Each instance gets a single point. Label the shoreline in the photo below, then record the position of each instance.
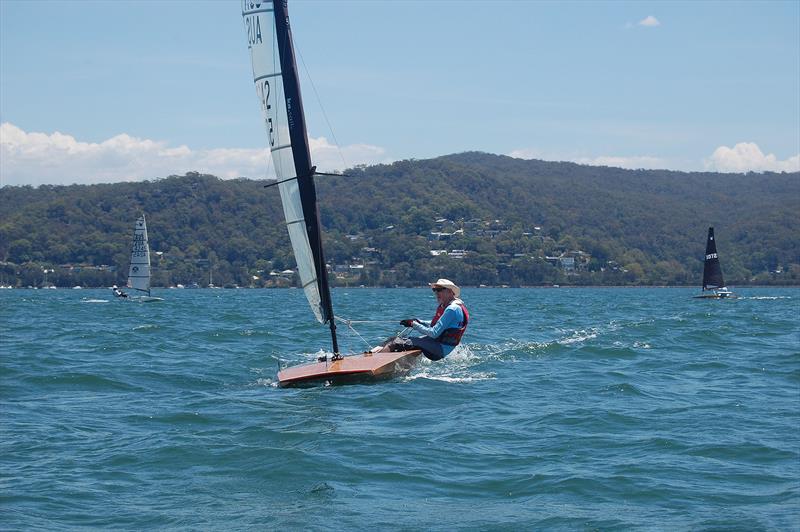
(536, 287)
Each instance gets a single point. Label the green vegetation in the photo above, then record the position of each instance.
(473, 217)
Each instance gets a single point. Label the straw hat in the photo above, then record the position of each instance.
(446, 283)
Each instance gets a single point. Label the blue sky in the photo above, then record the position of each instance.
(97, 91)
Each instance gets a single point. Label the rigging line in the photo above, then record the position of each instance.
(324, 114)
(348, 322)
(365, 321)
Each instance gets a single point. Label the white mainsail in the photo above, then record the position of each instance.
(276, 105)
(139, 272)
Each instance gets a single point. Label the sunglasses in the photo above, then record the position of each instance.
(438, 289)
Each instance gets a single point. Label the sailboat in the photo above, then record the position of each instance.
(713, 281)
(269, 40)
(211, 278)
(139, 271)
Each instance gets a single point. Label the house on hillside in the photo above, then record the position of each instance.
(570, 261)
(439, 235)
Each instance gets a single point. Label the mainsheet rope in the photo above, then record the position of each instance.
(350, 326)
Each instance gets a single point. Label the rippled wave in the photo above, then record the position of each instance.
(565, 409)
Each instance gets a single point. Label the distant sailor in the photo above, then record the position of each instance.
(443, 333)
(118, 292)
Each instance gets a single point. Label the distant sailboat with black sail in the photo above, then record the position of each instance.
(269, 40)
(713, 282)
(139, 271)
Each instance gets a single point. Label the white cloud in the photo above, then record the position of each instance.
(633, 162)
(747, 157)
(526, 153)
(40, 158)
(650, 21)
(744, 157)
(327, 156)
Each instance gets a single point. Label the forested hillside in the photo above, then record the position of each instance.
(474, 217)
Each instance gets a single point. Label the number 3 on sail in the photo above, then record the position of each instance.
(269, 39)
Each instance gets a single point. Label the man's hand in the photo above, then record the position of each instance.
(408, 323)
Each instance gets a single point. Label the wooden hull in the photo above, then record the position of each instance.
(363, 368)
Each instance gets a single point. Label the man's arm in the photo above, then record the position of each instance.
(449, 319)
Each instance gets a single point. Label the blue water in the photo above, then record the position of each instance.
(566, 409)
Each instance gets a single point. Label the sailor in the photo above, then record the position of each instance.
(443, 333)
(118, 292)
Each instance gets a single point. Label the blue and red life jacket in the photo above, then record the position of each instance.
(453, 335)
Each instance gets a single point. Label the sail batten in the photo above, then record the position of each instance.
(139, 271)
(712, 270)
(253, 11)
(278, 90)
(267, 76)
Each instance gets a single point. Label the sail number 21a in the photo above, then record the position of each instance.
(252, 24)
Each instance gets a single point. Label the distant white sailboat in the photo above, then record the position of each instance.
(139, 272)
(211, 279)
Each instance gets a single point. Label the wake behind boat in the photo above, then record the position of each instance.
(712, 273)
(269, 40)
(139, 271)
